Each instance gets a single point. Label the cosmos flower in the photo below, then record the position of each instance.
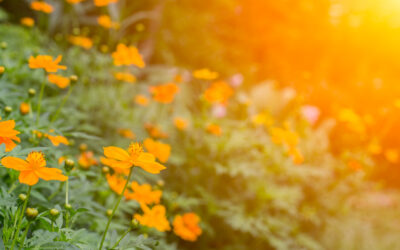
(186, 226)
(46, 62)
(8, 134)
(33, 168)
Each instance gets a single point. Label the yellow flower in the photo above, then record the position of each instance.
(42, 6)
(8, 134)
(46, 62)
(119, 158)
(101, 3)
(186, 226)
(153, 217)
(24, 108)
(27, 21)
(116, 183)
(214, 129)
(86, 159)
(33, 168)
(126, 77)
(125, 55)
(160, 150)
(218, 93)
(60, 81)
(180, 123)
(164, 93)
(143, 194)
(57, 140)
(84, 42)
(141, 100)
(106, 22)
(205, 74)
(127, 133)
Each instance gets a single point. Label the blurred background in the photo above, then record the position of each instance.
(340, 58)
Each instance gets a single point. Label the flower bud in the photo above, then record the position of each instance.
(7, 109)
(2, 69)
(83, 147)
(69, 164)
(160, 183)
(22, 197)
(109, 212)
(3, 45)
(31, 92)
(104, 48)
(54, 212)
(134, 223)
(24, 108)
(105, 170)
(31, 213)
(73, 78)
(68, 206)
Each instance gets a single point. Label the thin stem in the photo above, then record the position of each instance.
(52, 225)
(66, 203)
(25, 233)
(15, 221)
(13, 186)
(40, 102)
(61, 105)
(21, 217)
(115, 208)
(123, 236)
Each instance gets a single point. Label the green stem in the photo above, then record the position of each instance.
(115, 208)
(61, 105)
(40, 102)
(66, 203)
(25, 233)
(15, 221)
(52, 225)
(123, 235)
(21, 217)
(13, 186)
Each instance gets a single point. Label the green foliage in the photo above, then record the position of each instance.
(246, 188)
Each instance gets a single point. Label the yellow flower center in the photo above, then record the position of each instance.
(135, 149)
(36, 160)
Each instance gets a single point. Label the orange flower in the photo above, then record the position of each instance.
(143, 194)
(8, 134)
(214, 129)
(354, 165)
(127, 133)
(27, 21)
(154, 131)
(105, 21)
(84, 42)
(134, 156)
(141, 100)
(116, 183)
(186, 226)
(61, 160)
(60, 81)
(218, 93)
(125, 55)
(46, 62)
(178, 78)
(180, 123)
(101, 3)
(2, 69)
(33, 168)
(56, 140)
(42, 6)
(126, 77)
(154, 217)
(24, 108)
(86, 159)
(74, 1)
(297, 156)
(160, 150)
(205, 74)
(164, 93)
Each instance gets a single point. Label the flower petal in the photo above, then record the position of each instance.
(115, 164)
(15, 163)
(116, 153)
(49, 174)
(28, 177)
(147, 162)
